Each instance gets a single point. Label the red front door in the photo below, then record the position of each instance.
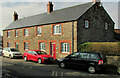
(53, 50)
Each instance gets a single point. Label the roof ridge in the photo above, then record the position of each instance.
(55, 10)
(72, 6)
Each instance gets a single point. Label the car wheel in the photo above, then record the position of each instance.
(62, 65)
(91, 69)
(25, 58)
(39, 61)
(10, 56)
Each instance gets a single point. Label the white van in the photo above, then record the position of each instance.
(11, 52)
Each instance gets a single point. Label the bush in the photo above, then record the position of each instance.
(107, 48)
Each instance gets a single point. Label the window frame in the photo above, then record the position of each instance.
(106, 27)
(43, 47)
(7, 43)
(18, 44)
(8, 34)
(25, 32)
(25, 46)
(63, 52)
(57, 29)
(37, 31)
(17, 33)
(88, 23)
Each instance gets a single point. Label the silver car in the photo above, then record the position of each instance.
(11, 52)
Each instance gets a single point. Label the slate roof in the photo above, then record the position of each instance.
(56, 16)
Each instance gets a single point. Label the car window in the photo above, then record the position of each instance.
(93, 56)
(74, 55)
(33, 52)
(28, 52)
(84, 55)
(14, 50)
(41, 53)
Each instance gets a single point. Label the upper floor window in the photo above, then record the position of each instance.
(16, 45)
(65, 47)
(8, 33)
(57, 29)
(16, 33)
(26, 45)
(8, 44)
(42, 46)
(38, 31)
(86, 24)
(106, 25)
(26, 32)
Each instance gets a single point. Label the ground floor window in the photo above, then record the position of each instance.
(26, 45)
(65, 47)
(42, 46)
(16, 45)
(8, 44)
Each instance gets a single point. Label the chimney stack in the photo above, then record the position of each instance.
(49, 7)
(15, 16)
(94, 1)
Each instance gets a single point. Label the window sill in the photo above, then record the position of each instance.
(65, 52)
(39, 35)
(26, 36)
(58, 34)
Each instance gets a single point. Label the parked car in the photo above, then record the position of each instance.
(37, 55)
(90, 60)
(0, 52)
(11, 52)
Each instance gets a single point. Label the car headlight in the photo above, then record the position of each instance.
(44, 58)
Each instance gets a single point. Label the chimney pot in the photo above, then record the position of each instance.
(49, 7)
(15, 16)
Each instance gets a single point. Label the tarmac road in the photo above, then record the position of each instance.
(16, 68)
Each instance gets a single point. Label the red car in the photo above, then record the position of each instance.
(37, 55)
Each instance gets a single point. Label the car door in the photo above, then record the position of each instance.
(28, 55)
(7, 52)
(33, 56)
(83, 62)
(73, 59)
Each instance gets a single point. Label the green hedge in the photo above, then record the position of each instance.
(107, 48)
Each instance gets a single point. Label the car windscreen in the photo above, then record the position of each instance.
(41, 53)
(14, 50)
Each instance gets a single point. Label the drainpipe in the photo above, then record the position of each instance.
(72, 36)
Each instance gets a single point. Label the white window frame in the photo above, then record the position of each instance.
(8, 44)
(26, 32)
(42, 46)
(57, 29)
(39, 32)
(106, 25)
(65, 48)
(16, 45)
(16, 33)
(86, 24)
(26, 45)
(8, 33)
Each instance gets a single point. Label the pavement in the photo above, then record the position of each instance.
(18, 68)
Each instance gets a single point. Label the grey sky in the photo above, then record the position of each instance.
(26, 8)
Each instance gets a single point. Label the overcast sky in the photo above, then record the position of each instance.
(26, 8)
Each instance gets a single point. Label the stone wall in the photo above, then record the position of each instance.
(96, 32)
(47, 37)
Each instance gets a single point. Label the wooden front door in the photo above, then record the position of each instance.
(53, 49)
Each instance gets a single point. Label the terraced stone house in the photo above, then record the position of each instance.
(59, 32)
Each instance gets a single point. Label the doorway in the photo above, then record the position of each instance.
(53, 49)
